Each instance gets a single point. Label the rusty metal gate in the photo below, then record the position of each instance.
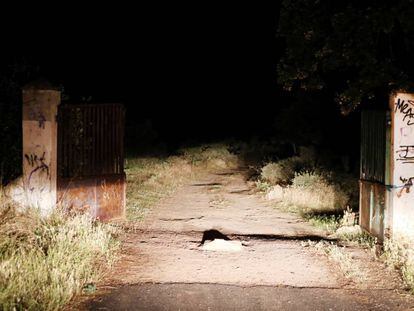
(90, 159)
(373, 173)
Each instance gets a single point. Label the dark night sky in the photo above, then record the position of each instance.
(195, 71)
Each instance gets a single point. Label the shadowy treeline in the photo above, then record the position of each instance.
(299, 120)
(268, 132)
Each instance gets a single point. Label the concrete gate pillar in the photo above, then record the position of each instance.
(40, 104)
(402, 194)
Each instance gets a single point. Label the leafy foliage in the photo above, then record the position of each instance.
(359, 49)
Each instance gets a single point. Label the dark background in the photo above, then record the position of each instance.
(195, 72)
(185, 73)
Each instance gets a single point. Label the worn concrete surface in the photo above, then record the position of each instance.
(164, 266)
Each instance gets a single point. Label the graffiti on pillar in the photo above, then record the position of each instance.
(407, 184)
(405, 107)
(38, 166)
(404, 146)
(405, 154)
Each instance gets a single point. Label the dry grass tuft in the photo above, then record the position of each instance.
(281, 172)
(400, 256)
(214, 156)
(339, 255)
(309, 194)
(45, 261)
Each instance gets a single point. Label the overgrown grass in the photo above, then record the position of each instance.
(401, 257)
(45, 261)
(329, 223)
(313, 193)
(304, 185)
(150, 179)
(281, 172)
(341, 258)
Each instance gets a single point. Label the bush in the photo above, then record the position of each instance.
(281, 172)
(308, 180)
(212, 156)
(45, 261)
(311, 192)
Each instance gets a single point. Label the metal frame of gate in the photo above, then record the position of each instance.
(90, 159)
(375, 172)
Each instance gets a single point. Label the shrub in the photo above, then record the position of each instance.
(311, 192)
(308, 180)
(281, 172)
(45, 261)
(212, 156)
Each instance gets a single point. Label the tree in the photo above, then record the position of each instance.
(360, 50)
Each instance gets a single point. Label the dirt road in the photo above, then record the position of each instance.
(258, 260)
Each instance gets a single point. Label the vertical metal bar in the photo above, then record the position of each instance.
(105, 140)
(59, 144)
(117, 166)
(111, 140)
(83, 141)
(88, 139)
(122, 138)
(113, 145)
(69, 136)
(67, 141)
(101, 136)
(94, 140)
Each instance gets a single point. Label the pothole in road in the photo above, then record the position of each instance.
(214, 240)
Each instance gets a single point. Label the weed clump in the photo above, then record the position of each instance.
(401, 257)
(308, 186)
(214, 156)
(281, 172)
(340, 257)
(45, 261)
(312, 193)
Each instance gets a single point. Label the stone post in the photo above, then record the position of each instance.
(40, 104)
(402, 203)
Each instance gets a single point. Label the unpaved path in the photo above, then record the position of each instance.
(164, 265)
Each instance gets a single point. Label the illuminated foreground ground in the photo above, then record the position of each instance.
(164, 265)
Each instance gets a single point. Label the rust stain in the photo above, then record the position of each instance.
(372, 208)
(103, 197)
